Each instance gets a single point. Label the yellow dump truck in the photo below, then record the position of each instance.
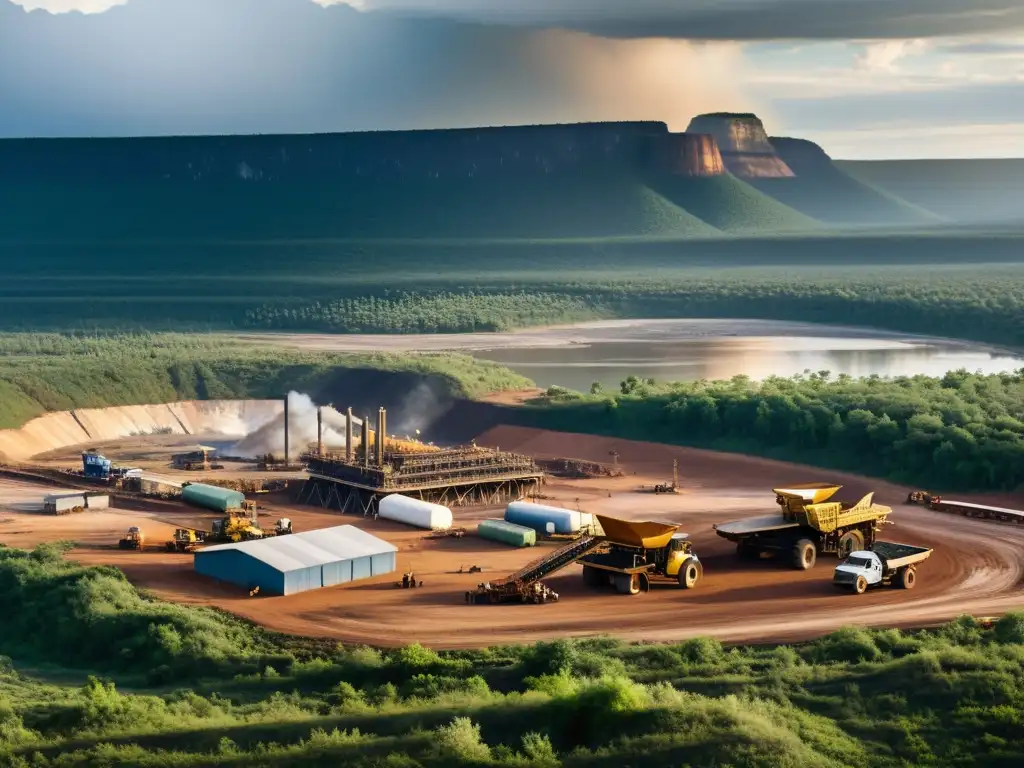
(627, 555)
(809, 524)
(185, 540)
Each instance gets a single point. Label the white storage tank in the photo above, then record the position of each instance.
(548, 520)
(421, 514)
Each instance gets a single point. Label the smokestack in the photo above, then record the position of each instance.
(379, 440)
(366, 440)
(319, 431)
(286, 430)
(348, 434)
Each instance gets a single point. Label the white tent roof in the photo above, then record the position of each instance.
(310, 548)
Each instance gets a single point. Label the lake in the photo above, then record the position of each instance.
(683, 350)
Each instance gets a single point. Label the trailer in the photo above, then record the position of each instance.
(628, 556)
(966, 508)
(885, 564)
(809, 524)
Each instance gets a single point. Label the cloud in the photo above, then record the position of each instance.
(264, 66)
(730, 19)
(883, 56)
(69, 6)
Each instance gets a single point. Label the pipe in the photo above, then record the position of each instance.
(286, 431)
(366, 440)
(319, 431)
(379, 440)
(348, 434)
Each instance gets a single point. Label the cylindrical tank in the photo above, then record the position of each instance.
(545, 519)
(212, 497)
(421, 514)
(507, 533)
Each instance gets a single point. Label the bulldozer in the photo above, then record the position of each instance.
(185, 540)
(235, 528)
(133, 539)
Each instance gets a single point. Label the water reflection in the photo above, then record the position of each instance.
(611, 360)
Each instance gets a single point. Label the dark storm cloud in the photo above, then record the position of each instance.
(244, 66)
(736, 19)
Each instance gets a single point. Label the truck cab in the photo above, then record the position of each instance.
(678, 551)
(864, 565)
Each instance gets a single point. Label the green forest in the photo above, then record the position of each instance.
(960, 432)
(195, 687)
(55, 372)
(987, 305)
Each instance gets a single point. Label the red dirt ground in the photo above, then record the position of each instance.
(977, 566)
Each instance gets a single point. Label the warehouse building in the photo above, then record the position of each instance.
(300, 562)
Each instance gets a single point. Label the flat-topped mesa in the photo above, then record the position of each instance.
(743, 143)
(801, 155)
(418, 155)
(684, 154)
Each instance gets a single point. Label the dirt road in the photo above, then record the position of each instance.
(977, 567)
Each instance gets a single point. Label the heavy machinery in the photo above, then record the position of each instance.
(185, 540)
(628, 555)
(808, 525)
(234, 528)
(885, 564)
(966, 508)
(283, 527)
(133, 539)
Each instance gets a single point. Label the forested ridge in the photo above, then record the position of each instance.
(963, 431)
(195, 687)
(987, 306)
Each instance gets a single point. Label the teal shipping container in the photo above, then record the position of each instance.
(212, 497)
(507, 533)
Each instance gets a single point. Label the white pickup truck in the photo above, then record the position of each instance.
(885, 564)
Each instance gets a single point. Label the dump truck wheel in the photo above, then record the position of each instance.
(627, 584)
(805, 554)
(690, 574)
(645, 582)
(907, 578)
(861, 585)
(593, 577)
(851, 541)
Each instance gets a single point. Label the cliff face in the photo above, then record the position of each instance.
(744, 144)
(362, 157)
(684, 154)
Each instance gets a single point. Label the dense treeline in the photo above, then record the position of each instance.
(857, 697)
(986, 306)
(346, 286)
(54, 372)
(443, 312)
(962, 431)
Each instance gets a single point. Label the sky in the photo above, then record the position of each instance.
(866, 79)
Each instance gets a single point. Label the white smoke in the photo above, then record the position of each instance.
(420, 408)
(269, 436)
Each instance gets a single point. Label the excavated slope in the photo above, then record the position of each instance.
(234, 418)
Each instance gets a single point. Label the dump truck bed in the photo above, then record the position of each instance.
(897, 556)
(750, 525)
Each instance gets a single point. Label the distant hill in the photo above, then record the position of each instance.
(732, 205)
(823, 191)
(591, 180)
(744, 144)
(965, 191)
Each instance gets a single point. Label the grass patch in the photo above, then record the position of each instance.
(856, 697)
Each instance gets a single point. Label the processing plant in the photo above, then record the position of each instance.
(375, 466)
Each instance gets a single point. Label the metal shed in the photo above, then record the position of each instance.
(300, 562)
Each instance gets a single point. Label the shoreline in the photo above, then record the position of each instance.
(603, 332)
